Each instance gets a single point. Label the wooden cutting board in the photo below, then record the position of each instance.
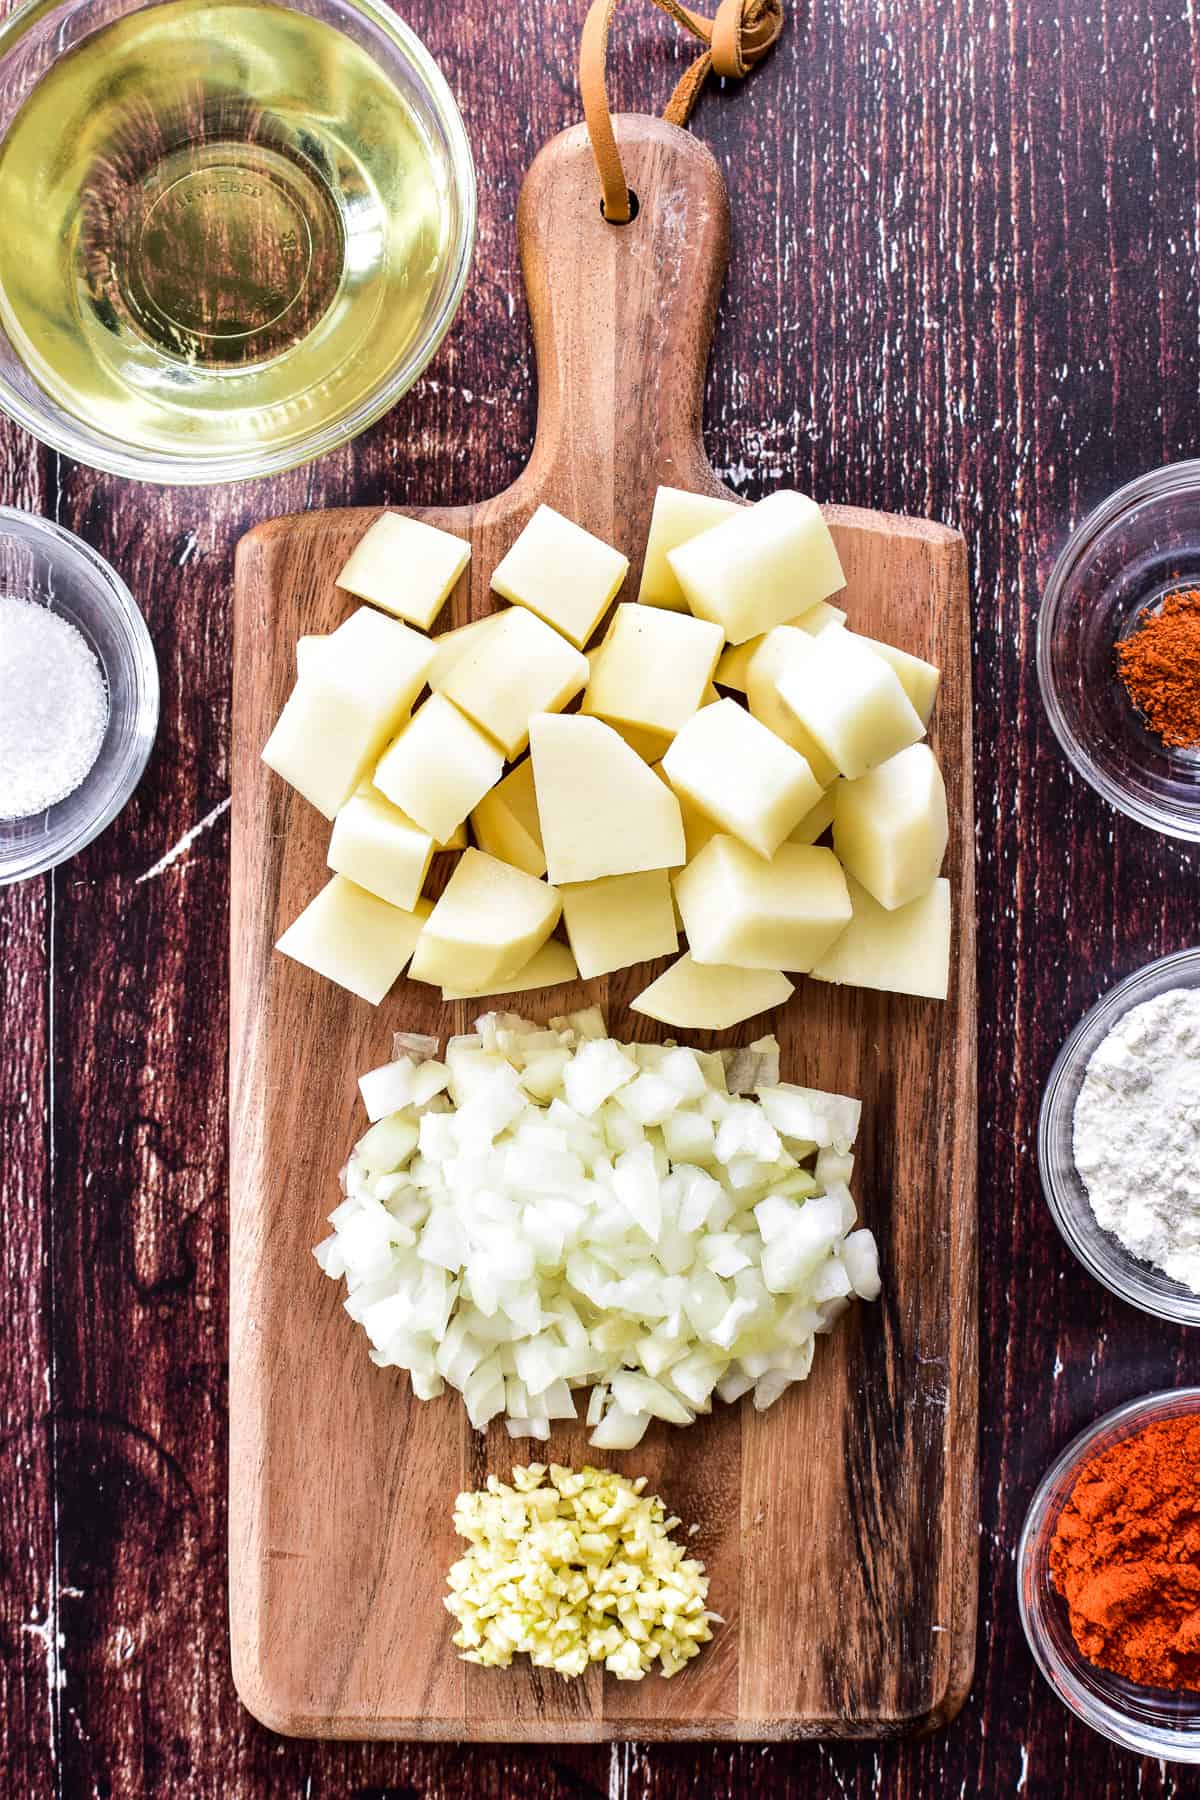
(840, 1527)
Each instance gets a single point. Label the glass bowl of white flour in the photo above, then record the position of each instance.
(1119, 1139)
(78, 695)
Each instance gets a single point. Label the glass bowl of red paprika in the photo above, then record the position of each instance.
(1110, 1525)
(1118, 575)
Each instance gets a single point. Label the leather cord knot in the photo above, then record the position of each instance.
(735, 41)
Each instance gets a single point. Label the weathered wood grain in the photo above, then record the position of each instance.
(965, 283)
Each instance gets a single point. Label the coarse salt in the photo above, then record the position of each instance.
(53, 708)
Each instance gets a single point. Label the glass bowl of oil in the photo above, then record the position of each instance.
(1114, 573)
(234, 232)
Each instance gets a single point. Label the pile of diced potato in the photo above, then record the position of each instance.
(661, 804)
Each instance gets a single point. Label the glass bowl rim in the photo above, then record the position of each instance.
(164, 469)
(1110, 1721)
(108, 585)
(1108, 1008)
(1171, 478)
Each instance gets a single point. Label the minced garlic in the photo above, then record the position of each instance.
(581, 1570)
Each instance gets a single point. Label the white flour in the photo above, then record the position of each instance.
(1137, 1133)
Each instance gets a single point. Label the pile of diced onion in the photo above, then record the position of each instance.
(546, 1209)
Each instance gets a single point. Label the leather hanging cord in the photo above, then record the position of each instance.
(734, 41)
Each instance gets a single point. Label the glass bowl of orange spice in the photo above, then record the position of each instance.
(1108, 1576)
(1118, 650)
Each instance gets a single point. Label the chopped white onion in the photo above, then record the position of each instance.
(546, 1209)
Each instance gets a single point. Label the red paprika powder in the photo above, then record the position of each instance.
(1159, 664)
(1126, 1556)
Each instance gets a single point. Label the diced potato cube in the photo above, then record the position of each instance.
(458, 839)
(677, 516)
(819, 617)
(710, 997)
(603, 811)
(851, 701)
(815, 822)
(352, 938)
(783, 914)
(890, 827)
(741, 775)
(698, 828)
(620, 920)
(506, 822)
(356, 689)
(486, 926)
(653, 669)
(919, 679)
(733, 670)
(518, 668)
(762, 566)
(308, 651)
(439, 768)
(374, 845)
(450, 646)
(906, 951)
(406, 566)
(548, 967)
(562, 573)
(785, 647)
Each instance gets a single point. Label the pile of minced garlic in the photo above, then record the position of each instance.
(580, 1569)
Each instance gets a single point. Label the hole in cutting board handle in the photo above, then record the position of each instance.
(634, 209)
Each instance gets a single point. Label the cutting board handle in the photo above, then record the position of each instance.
(622, 319)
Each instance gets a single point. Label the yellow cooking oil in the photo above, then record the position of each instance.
(220, 226)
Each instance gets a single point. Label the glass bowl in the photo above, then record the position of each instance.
(1102, 1254)
(1142, 542)
(40, 561)
(1153, 1721)
(253, 258)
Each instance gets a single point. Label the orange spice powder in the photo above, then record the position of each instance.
(1126, 1556)
(1159, 665)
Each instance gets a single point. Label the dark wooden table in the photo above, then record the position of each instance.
(964, 283)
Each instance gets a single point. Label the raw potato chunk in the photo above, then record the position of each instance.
(711, 997)
(406, 566)
(518, 668)
(902, 952)
(603, 811)
(698, 828)
(786, 647)
(739, 773)
(352, 938)
(653, 669)
(619, 920)
(851, 701)
(890, 827)
(374, 845)
(918, 679)
(439, 768)
(765, 565)
(783, 914)
(677, 516)
(308, 651)
(486, 926)
(818, 820)
(450, 646)
(548, 967)
(562, 573)
(458, 839)
(734, 666)
(357, 687)
(506, 822)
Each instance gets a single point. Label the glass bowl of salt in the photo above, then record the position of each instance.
(78, 695)
(1119, 1147)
